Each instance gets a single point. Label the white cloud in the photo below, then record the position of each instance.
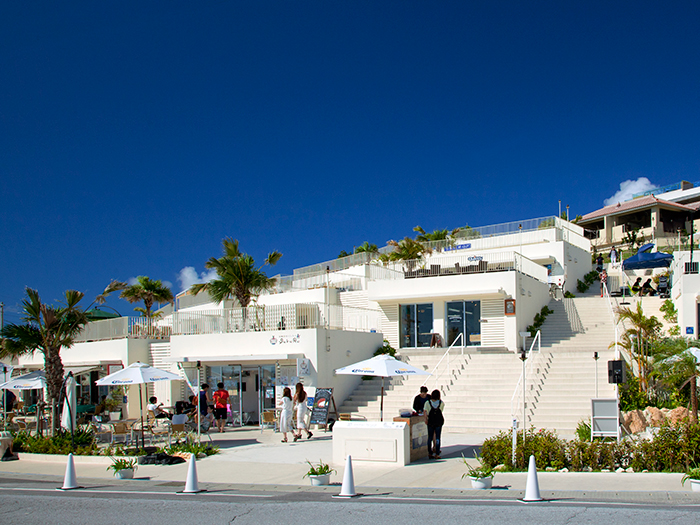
(189, 276)
(629, 188)
(131, 281)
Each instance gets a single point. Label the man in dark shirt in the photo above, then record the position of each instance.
(420, 399)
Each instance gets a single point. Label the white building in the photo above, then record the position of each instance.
(477, 293)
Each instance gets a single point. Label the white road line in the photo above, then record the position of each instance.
(92, 491)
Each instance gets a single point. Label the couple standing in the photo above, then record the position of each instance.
(286, 417)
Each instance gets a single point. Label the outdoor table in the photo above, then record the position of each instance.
(85, 409)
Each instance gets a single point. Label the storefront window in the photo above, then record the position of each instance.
(463, 317)
(415, 325)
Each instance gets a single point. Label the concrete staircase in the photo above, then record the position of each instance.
(479, 385)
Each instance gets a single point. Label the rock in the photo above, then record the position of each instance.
(635, 421)
(654, 416)
(619, 470)
(630, 470)
(586, 469)
(549, 469)
(564, 469)
(605, 470)
(645, 470)
(678, 414)
(500, 467)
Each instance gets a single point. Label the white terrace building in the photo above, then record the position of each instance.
(476, 294)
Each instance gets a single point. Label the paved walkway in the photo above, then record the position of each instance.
(253, 458)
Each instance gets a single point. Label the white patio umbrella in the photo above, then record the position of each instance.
(137, 374)
(69, 405)
(6, 371)
(382, 366)
(32, 381)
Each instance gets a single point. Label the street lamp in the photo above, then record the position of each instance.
(596, 357)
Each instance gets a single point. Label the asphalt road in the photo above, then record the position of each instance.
(109, 505)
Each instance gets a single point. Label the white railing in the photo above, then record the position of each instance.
(619, 349)
(123, 327)
(517, 398)
(265, 318)
(459, 337)
(531, 268)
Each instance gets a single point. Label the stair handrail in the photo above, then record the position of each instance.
(528, 368)
(446, 354)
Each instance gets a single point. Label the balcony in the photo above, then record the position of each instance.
(124, 327)
(267, 318)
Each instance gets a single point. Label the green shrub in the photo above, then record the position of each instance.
(673, 449)
(539, 320)
(386, 348)
(83, 443)
(192, 447)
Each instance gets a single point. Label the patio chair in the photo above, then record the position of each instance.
(120, 432)
(269, 418)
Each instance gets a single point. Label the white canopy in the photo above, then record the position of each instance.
(33, 381)
(382, 365)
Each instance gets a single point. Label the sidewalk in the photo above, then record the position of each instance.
(249, 457)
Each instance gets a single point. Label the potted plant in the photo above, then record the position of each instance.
(319, 474)
(481, 476)
(113, 402)
(692, 474)
(123, 468)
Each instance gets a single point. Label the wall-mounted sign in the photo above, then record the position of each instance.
(114, 368)
(285, 339)
(458, 247)
(689, 330)
(303, 367)
(509, 306)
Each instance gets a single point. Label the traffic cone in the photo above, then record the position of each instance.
(348, 488)
(192, 485)
(532, 490)
(70, 482)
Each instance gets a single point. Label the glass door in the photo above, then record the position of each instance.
(266, 392)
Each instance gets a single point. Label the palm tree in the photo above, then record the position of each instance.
(46, 329)
(366, 247)
(639, 338)
(437, 235)
(238, 278)
(145, 289)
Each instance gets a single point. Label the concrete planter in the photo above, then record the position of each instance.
(695, 485)
(320, 480)
(481, 483)
(127, 473)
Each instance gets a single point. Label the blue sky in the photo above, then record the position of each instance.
(136, 135)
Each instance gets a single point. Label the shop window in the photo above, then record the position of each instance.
(415, 325)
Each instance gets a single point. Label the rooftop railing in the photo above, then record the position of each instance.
(124, 327)
(266, 318)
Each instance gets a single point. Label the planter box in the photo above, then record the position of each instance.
(481, 483)
(320, 480)
(695, 485)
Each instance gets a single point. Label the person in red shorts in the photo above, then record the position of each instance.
(220, 406)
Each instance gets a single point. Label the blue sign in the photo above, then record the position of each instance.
(689, 330)
(458, 247)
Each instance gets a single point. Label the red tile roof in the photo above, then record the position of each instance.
(648, 201)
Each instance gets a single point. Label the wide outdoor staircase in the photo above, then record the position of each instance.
(481, 388)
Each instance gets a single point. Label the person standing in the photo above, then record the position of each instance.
(613, 255)
(599, 263)
(302, 409)
(205, 400)
(220, 406)
(286, 415)
(420, 399)
(435, 420)
(603, 281)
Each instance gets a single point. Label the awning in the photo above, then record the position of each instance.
(77, 370)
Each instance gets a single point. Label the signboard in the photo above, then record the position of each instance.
(322, 401)
(606, 418)
(510, 306)
(303, 367)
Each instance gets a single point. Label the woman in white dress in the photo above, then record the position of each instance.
(300, 401)
(286, 415)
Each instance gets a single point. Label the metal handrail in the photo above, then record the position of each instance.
(446, 354)
(528, 368)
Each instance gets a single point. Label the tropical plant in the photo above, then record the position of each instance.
(238, 278)
(343, 253)
(639, 338)
(466, 232)
(678, 368)
(47, 329)
(386, 348)
(318, 470)
(193, 447)
(633, 238)
(691, 474)
(437, 235)
(366, 247)
(549, 223)
(119, 464)
(668, 309)
(145, 289)
(480, 472)
(405, 250)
